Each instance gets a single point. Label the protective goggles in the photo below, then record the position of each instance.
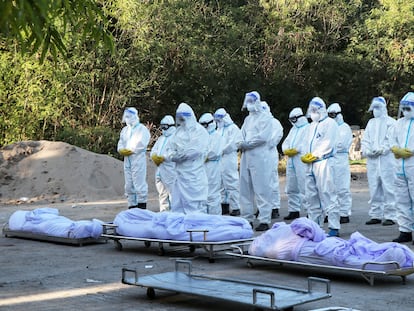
(295, 118)
(406, 108)
(333, 114)
(218, 116)
(166, 126)
(206, 124)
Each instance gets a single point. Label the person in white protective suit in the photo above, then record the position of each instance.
(256, 159)
(212, 164)
(294, 147)
(376, 147)
(403, 149)
(165, 174)
(230, 180)
(132, 145)
(277, 134)
(320, 184)
(342, 169)
(188, 150)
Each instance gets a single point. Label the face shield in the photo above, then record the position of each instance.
(316, 109)
(130, 116)
(219, 117)
(378, 106)
(182, 117)
(252, 102)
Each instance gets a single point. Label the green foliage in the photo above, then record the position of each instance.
(205, 53)
(42, 24)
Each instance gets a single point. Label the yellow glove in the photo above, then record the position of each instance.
(308, 158)
(406, 153)
(401, 152)
(157, 159)
(125, 152)
(291, 152)
(396, 151)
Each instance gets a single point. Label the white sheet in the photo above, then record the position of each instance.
(141, 223)
(47, 221)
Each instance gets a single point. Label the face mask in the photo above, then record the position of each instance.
(315, 116)
(408, 112)
(377, 112)
(251, 107)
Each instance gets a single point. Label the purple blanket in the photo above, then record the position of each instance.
(304, 241)
(141, 223)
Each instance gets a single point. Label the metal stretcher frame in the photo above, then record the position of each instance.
(8, 233)
(367, 272)
(109, 232)
(260, 295)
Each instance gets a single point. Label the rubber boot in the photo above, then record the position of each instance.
(275, 213)
(404, 237)
(133, 206)
(225, 208)
(142, 205)
(292, 215)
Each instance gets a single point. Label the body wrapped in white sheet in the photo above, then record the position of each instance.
(47, 221)
(304, 241)
(141, 223)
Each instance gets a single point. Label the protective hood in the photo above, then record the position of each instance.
(252, 102)
(334, 112)
(185, 115)
(407, 105)
(130, 116)
(378, 107)
(167, 125)
(297, 118)
(266, 108)
(207, 121)
(317, 109)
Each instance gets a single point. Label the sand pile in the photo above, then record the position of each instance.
(50, 172)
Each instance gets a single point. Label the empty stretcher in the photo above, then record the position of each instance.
(369, 270)
(7, 232)
(259, 295)
(109, 232)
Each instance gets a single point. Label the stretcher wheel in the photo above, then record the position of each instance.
(211, 260)
(249, 264)
(150, 293)
(161, 251)
(192, 248)
(147, 244)
(118, 245)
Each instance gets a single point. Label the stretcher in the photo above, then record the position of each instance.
(8, 233)
(258, 295)
(109, 232)
(368, 271)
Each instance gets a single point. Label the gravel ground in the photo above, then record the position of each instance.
(47, 276)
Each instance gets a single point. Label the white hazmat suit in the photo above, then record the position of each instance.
(294, 147)
(189, 147)
(320, 184)
(403, 149)
(212, 164)
(230, 179)
(132, 144)
(165, 174)
(342, 169)
(376, 146)
(277, 134)
(256, 159)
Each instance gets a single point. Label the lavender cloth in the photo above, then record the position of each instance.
(47, 221)
(141, 223)
(304, 241)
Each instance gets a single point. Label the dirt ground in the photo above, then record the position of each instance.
(47, 276)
